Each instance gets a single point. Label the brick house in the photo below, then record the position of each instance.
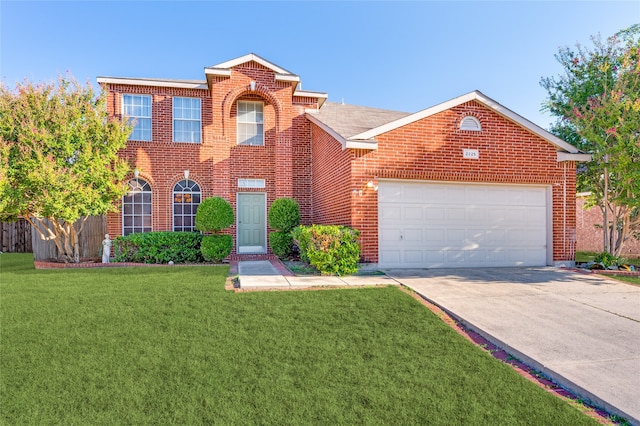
(464, 183)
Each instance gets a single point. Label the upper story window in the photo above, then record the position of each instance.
(470, 123)
(186, 199)
(136, 207)
(186, 120)
(250, 123)
(137, 108)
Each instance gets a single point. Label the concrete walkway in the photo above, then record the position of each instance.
(581, 330)
(265, 274)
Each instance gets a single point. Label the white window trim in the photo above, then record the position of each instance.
(238, 122)
(150, 117)
(173, 119)
(150, 192)
(251, 183)
(173, 203)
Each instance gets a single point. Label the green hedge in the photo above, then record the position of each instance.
(216, 247)
(159, 247)
(283, 216)
(331, 249)
(281, 243)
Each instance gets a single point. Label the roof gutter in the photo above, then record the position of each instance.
(577, 157)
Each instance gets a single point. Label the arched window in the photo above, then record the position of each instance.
(136, 207)
(470, 123)
(186, 199)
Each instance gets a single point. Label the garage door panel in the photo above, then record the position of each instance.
(413, 237)
(390, 212)
(434, 213)
(455, 236)
(534, 216)
(455, 257)
(433, 236)
(496, 256)
(457, 225)
(455, 214)
(413, 256)
(476, 214)
(433, 194)
(389, 236)
(412, 213)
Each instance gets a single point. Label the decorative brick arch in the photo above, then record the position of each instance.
(261, 90)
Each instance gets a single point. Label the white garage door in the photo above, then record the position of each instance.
(443, 225)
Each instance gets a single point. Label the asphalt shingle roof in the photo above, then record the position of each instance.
(349, 120)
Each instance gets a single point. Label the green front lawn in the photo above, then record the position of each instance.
(632, 280)
(168, 345)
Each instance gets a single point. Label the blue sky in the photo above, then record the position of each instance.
(404, 56)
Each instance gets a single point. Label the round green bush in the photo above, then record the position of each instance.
(331, 249)
(284, 214)
(213, 215)
(216, 247)
(281, 243)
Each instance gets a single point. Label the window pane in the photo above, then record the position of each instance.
(137, 108)
(136, 207)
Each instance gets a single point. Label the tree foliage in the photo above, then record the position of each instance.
(58, 159)
(597, 102)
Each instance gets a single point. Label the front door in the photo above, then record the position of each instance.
(251, 222)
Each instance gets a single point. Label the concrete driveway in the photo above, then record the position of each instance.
(581, 330)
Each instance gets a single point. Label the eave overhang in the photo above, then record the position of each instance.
(577, 157)
(320, 96)
(130, 81)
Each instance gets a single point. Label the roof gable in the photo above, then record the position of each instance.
(223, 69)
(248, 58)
(472, 96)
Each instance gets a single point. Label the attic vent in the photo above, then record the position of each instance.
(470, 123)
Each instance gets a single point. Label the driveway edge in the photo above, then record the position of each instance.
(555, 377)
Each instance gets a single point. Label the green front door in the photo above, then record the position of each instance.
(251, 223)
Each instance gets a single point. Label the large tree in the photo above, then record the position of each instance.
(58, 159)
(597, 102)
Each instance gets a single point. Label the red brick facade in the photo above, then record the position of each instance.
(218, 161)
(429, 150)
(303, 160)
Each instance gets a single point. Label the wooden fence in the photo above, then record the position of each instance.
(15, 237)
(19, 237)
(90, 241)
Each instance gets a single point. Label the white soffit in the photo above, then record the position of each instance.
(182, 84)
(472, 96)
(306, 94)
(566, 156)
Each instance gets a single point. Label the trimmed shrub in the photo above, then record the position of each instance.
(213, 215)
(284, 214)
(159, 247)
(281, 243)
(331, 249)
(216, 247)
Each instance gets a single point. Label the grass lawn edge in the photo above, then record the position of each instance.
(538, 378)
